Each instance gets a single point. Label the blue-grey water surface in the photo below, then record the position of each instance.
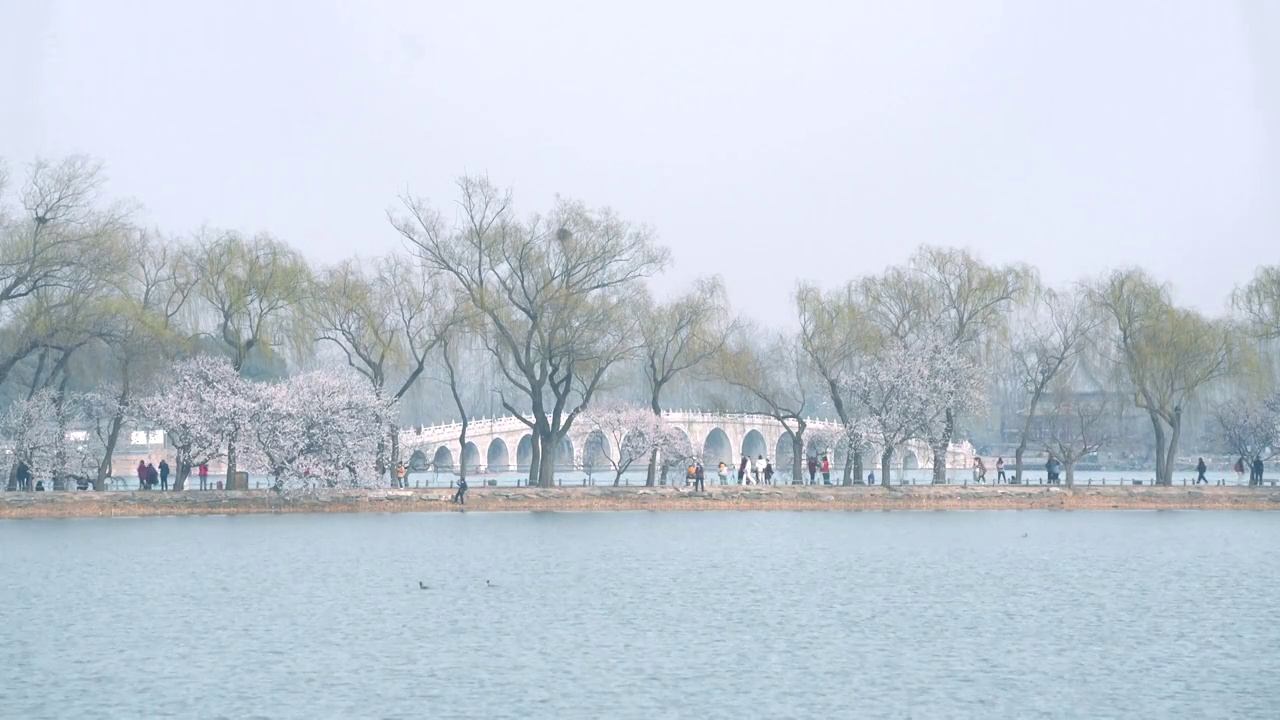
(643, 615)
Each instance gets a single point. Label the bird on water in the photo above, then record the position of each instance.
(423, 586)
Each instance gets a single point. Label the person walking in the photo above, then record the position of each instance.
(153, 477)
(23, 476)
(742, 470)
(1000, 470)
(758, 469)
(1239, 469)
(401, 472)
(460, 497)
(723, 472)
(768, 472)
(813, 469)
(164, 475)
(1200, 468)
(204, 476)
(142, 475)
(981, 468)
(1257, 471)
(699, 478)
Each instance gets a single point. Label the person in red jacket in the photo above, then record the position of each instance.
(204, 476)
(142, 475)
(826, 471)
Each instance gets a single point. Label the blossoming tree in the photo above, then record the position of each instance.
(319, 430)
(203, 403)
(891, 393)
(30, 430)
(631, 432)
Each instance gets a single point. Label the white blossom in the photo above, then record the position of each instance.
(30, 429)
(633, 433)
(318, 430)
(203, 402)
(903, 393)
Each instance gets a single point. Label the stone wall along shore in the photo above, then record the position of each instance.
(134, 504)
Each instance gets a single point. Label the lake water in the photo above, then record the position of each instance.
(643, 615)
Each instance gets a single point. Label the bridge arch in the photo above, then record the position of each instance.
(471, 457)
(783, 455)
(443, 459)
(497, 458)
(596, 452)
(418, 461)
(753, 444)
(717, 448)
(564, 454)
(524, 453)
(910, 461)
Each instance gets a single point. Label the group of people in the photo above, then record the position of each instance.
(813, 470)
(1255, 470)
(749, 473)
(980, 469)
(152, 476)
(149, 475)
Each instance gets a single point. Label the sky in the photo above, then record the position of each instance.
(765, 142)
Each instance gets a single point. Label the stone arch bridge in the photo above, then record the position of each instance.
(505, 444)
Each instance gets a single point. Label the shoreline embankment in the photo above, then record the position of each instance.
(589, 499)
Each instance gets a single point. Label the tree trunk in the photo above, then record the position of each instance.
(113, 434)
(652, 475)
(462, 450)
(60, 452)
(797, 453)
(380, 457)
(1022, 441)
(1171, 458)
(547, 472)
(848, 470)
(1071, 472)
(858, 467)
(535, 461)
(1158, 429)
(885, 458)
(944, 442)
(182, 471)
(229, 484)
(395, 451)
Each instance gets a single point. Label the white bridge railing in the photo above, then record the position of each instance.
(507, 423)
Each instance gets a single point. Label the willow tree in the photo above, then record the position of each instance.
(1163, 353)
(381, 318)
(59, 241)
(679, 336)
(252, 290)
(1259, 301)
(150, 297)
(968, 304)
(837, 336)
(558, 294)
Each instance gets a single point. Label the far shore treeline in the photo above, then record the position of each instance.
(244, 352)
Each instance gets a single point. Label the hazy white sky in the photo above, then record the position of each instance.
(765, 141)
